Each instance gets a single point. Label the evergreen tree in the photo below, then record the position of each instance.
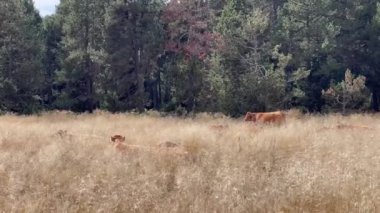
(358, 43)
(21, 46)
(306, 32)
(83, 53)
(133, 43)
(52, 59)
(251, 60)
(349, 94)
(190, 55)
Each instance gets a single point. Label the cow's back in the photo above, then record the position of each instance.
(271, 117)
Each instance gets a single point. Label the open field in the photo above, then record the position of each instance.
(61, 162)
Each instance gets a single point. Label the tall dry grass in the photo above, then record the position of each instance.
(62, 162)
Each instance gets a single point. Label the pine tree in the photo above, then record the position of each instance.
(52, 61)
(307, 32)
(351, 93)
(83, 52)
(251, 61)
(358, 43)
(133, 43)
(21, 45)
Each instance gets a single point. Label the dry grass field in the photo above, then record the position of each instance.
(62, 162)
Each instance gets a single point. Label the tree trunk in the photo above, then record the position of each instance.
(89, 83)
(159, 93)
(89, 104)
(344, 102)
(140, 81)
(139, 70)
(191, 96)
(274, 12)
(344, 108)
(155, 95)
(375, 99)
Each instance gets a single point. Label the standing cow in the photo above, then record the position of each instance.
(265, 117)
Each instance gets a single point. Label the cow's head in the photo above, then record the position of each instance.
(250, 117)
(117, 139)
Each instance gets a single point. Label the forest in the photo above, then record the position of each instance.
(229, 56)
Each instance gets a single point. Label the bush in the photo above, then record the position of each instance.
(349, 94)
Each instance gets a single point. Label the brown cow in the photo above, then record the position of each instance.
(346, 126)
(120, 146)
(218, 127)
(118, 143)
(350, 126)
(171, 149)
(166, 148)
(265, 117)
(168, 144)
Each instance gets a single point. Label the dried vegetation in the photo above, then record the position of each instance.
(62, 162)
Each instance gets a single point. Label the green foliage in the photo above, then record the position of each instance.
(52, 60)
(214, 88)
(21, 45)
(83, 52)
(184, 56)
(254, 65)
(306, 31)
(265, 79)
(349, 94)
(134, 37)
(230, 20)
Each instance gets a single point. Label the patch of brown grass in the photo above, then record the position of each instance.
(62, 162)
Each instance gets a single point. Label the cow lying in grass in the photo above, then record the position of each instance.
(117, 138)
(346, 127)
(265, 117)
(218, 127)
(166, 148)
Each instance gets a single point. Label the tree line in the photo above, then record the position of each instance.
(228, 56)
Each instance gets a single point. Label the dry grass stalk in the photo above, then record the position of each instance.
(61, 162)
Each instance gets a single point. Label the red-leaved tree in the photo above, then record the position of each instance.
(188, 30)
(189, 36)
